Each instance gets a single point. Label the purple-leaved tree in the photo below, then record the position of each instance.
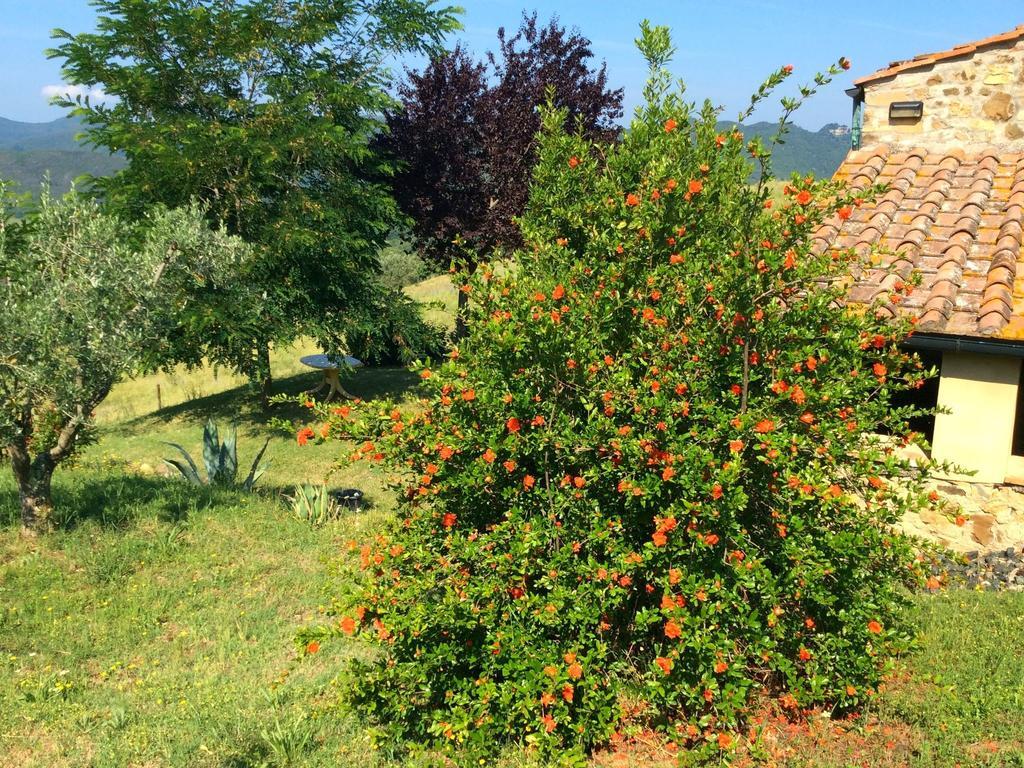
(465, 137)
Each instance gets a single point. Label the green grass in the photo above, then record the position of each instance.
(159, 630)
(158, 626)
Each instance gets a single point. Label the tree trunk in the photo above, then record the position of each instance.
(462, 309)
(34, 484)
(266, 379)
(461, 313)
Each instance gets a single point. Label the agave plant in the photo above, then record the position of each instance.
(220, 459)
(314, 504)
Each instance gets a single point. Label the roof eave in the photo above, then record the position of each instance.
(940, 342)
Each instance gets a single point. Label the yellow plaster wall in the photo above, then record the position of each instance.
(981, 393)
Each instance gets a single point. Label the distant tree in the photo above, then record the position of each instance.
(465, 136)
(86, 299)
(264, 111)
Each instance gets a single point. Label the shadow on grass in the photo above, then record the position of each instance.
(240, 406)
(117, 500)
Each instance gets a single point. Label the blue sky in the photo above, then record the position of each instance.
(725, 47)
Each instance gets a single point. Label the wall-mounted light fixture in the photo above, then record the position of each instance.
(906, 110)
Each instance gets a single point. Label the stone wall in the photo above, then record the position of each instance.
(969, 102)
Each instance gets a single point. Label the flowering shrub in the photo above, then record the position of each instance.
(652, 481)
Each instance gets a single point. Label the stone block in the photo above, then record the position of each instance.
(999, 107)
(998, 74)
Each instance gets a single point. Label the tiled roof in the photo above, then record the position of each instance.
(955, 218)
(927, 59)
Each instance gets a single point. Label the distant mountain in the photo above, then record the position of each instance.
(30, 151)
(819, 152)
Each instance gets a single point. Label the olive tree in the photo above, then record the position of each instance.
(86, 299)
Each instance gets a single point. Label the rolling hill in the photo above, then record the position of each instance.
(819, 152)
(30, 151)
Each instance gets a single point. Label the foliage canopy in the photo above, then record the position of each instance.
(264, 111)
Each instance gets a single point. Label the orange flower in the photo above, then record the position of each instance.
(529, 481)
(312, 647)
(845, 212)
(659, 539)
(670, 125)
(805, 655)
(879, 370)
(665, 665)
(720, 667)
(632, 199)
(765, 425)
(489, 456)
(546, 699)
(574, 161)
(874, 627)
(347, 625)
(670, 185)
(469, 395)
(711, 539)
(790, 261)
(304, 435)
(851, 691)
(695, 186)
(735, 446)
(724, 741)
(568, 692)
(558, 293)
(509, 465)
(549, 723)
(575, 671)
(804, 197)
(551, 670)
(672, 630)
(448, 520)
(716, 491)
(667, 474)
(807, 418)
(445, 453)
(513, 424)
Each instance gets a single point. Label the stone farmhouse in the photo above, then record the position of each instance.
(943, 132)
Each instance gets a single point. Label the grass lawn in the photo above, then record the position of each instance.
(158, 627)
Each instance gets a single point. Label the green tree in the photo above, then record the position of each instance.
(84, 300)
(264, 111)
(659, 478)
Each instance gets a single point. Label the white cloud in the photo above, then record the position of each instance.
(51, 92)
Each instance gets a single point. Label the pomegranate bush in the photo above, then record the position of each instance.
(652, 481)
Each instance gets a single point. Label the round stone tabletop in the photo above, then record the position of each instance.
(327, 362)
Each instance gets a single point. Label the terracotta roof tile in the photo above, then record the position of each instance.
(953, 220)
(927, 59)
